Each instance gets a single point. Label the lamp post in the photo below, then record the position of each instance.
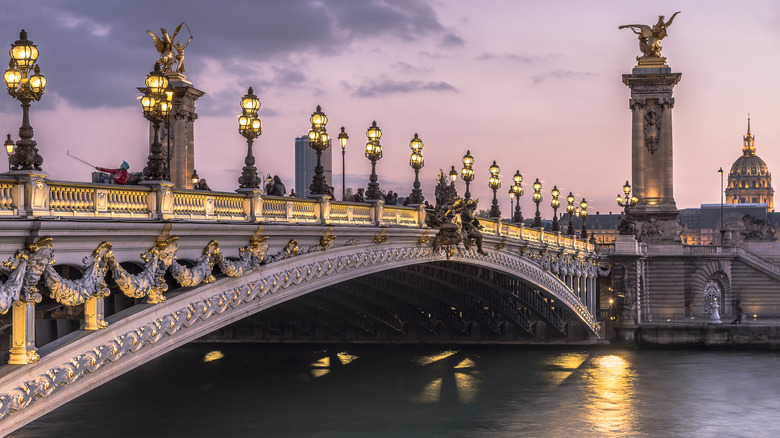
(494, 182)
(9, 148)
(570, 210)
(518, 190)
(417, 162)
(320, 142)
(373, 153)
(555, 203)
(343, 137)
(584, 216)
(25, 88)
(467, 173)
(195, 178)
(628, 201)
(250, 127)
(157, 105)
(453, 176)
(722, 229)
(537, 197)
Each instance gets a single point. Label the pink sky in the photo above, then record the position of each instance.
(535, 86)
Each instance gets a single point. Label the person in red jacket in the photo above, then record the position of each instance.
(120, 175)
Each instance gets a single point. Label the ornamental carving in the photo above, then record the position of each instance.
(652, 130)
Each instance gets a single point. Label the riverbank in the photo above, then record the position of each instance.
(753, 335)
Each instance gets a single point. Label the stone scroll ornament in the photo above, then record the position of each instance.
(92, 284)
(250, 257)
(150, 282)
(26, 267)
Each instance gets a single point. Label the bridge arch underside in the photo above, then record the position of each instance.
(440, 301)
(387, 292)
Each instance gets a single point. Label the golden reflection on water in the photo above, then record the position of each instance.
(211, 356)
(345, 357)
(463, 374)
(610, 395)
(561, 366)
(320, 367)
(427, 360)
(467, 386)
(431, 393)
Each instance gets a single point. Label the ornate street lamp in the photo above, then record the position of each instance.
(494, 182)
(555, 203)
(9, 148)
(25, 88)
(343, 137)
(629, 201)
(518, 190)
(467, 173)
(320, 142)
(584, 216)
(570, 210)
(157, 106)
(195, 178)
(373, 153)
(453, 176)
(250, 127)
(537, 197)
(417, 162)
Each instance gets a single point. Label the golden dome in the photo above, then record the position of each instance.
(749, 164)
(749, 179)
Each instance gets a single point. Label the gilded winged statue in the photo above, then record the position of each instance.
(650, 37)
(164, 44)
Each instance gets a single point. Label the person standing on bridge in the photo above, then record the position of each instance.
(120, 175)
(277, 189)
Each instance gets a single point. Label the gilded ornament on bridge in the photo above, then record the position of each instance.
(650, 37)
(326, 241)
(381, 237)
(291, 249)
(454, 217)
(171, 52)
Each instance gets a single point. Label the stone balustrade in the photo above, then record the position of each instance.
(21, 199)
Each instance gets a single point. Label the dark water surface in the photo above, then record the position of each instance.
(293, 391)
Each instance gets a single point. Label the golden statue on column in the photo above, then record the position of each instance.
(650, 38)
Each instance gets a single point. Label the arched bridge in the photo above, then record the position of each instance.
(212, 259)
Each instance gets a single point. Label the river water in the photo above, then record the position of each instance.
(228, 390)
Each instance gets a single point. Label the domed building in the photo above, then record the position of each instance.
(749, 179)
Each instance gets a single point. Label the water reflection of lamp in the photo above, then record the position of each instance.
(611, 396)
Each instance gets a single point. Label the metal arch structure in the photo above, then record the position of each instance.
(83, 360)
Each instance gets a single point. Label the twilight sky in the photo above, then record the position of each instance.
(534, 85)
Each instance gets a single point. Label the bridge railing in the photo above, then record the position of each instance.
(26, 197)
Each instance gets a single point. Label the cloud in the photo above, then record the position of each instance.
(405, 67)
(522, 58)
(451, 40)
(385, 86)
(561, 74)
(95, 54)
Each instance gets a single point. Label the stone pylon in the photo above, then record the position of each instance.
(177, 134)
(651, 103)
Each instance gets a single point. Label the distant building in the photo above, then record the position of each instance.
(749, 179)
(305, 162)
(701, 226)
